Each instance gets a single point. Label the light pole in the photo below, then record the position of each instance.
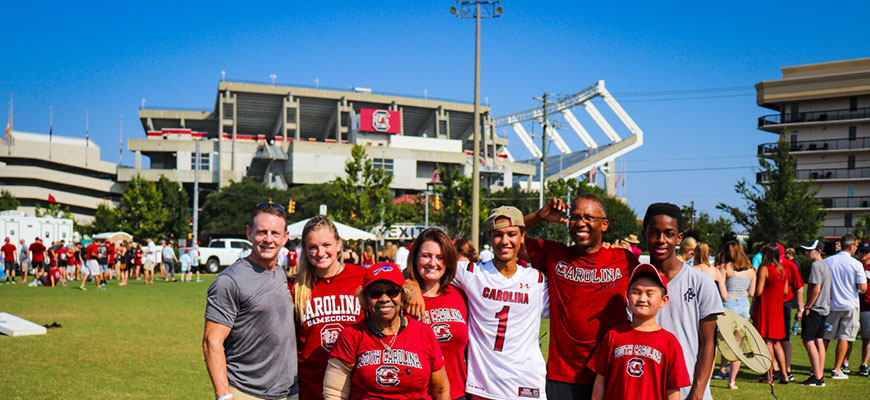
(466, 11)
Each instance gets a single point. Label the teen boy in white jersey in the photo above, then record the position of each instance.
(505, 306)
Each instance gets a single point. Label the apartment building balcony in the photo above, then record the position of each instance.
(845, 203)
(836, 231)
(824, 174)
(774, 122)
(801, 146)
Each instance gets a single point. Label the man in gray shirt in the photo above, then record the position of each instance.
(816, 309)
(250, 340)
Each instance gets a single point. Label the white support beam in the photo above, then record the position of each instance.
(622, 115)
(554, 136)
(579, 129)
(599, 119)
(526, 139)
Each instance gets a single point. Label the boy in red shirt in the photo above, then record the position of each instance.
(640, 360)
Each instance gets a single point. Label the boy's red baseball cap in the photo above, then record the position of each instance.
(648, 270)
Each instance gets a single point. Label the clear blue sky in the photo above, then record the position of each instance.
(104, 57)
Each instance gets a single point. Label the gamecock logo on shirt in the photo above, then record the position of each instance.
(328, 336)
(442, 332)
(635, 367)
(388, 375)
(381, 121)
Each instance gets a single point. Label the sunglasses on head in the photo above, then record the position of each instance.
(391, 292)
(270, 204)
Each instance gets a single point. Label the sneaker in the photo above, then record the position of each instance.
(101, 288)
(721, 375)
(812, 381)
(13, 282)
(82, 288)
(862, 370)
(33, 284)
(790, 376)
(838, 374)
(845, 367)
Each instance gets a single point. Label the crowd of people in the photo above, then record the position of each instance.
(99, 261)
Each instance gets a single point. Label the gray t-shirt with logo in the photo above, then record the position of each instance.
(820, 274)
(261, 347)
(693, 297)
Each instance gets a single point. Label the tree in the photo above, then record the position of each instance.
(225, 213)
(141, 212)
(177, 205)
(706, 229)
(862, 228)
(8, 201)
(455, 199)
(783, 210)
(105, 220)
(409, 212)
(364, 194)
(56, 210)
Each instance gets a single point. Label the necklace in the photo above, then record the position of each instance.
(392, 342)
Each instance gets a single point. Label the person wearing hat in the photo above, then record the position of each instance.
(505, 306)
(386, 355)
(633, 242)
(816, 309)
(640, 360)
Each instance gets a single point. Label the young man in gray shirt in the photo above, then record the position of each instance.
(695, 303)
(815, 311)
(250, 340)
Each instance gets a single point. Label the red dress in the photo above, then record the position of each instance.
(767, 311)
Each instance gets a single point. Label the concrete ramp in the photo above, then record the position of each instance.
(11, 325)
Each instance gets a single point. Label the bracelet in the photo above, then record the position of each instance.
(226, 397)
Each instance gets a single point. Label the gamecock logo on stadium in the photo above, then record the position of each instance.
(635, 367)
(388, 375)
(328, 336)
(381, 121)
(442, 332)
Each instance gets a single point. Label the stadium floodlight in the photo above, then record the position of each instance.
(273, 76)
(492, 10)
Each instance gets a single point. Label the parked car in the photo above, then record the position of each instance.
(221, 253)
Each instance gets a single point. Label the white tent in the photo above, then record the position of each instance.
(114, 237)
(344, 231)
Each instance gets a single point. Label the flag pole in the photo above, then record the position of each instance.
(50, 126)
(87, 138)
(121, 143)
(9, 125)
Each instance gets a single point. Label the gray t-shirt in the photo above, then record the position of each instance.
(820, 274)
(168, 254)
(693, 297)
(261, 347)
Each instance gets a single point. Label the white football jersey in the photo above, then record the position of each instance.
(504, 320)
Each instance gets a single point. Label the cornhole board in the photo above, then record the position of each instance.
(11, 325)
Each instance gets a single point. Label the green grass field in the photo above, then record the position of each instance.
(140, 341)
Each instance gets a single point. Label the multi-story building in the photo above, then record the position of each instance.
(823, 112)
(290, 135)
(34, 167)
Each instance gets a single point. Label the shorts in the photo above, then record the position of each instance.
(739, 305)
(104, 268)
(194, 267)
(865, 325)
(71, 269)
(813, 326)
(10, 265)
(93, 267)
(185, 268)
(148, 264)
(24, 266)
(843, 325)
(787, 319)
(567, 390)
(38, 265)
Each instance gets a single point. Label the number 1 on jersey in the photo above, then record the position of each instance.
(502, 317)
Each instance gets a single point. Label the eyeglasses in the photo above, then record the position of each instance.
(391, 292)
(585, 218)
(270, 204)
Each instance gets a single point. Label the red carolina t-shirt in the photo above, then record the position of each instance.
(333, 306)
(400, 373)
(447, 314)
(38, 250)
(640, 365)
(8, 250)
(793, 275)
(587, 298)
